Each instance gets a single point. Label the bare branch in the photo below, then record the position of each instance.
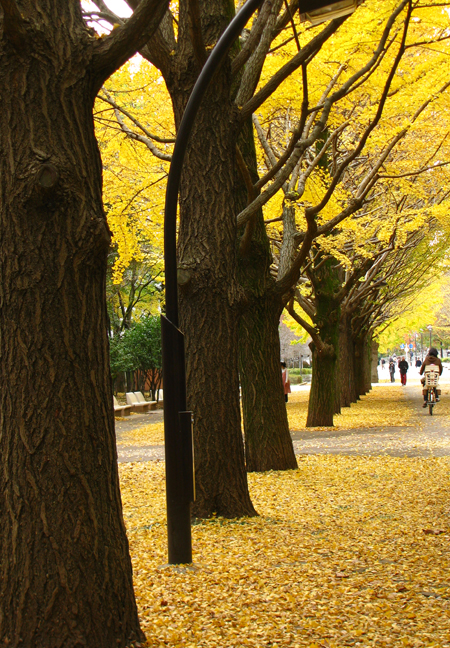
(263, 141)
(290, 278)
(308, 328)
(344, 164)
(252, 72)
(106, 13)
(309, 51)
(196, 31)
(141, 138)
(113, 50)
(107, 98)
(252, 41)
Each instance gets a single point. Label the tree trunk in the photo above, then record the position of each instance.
(362, 366)
(321, 396)
(268, 443)
(321, 404)
(337, 392)
(346, 377)
(65, 575)
(210, 296)
(368, 363)
(374, 362)
(322, 401)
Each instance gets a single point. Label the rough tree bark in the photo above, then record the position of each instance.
(346, 377)
(321, 404)
(210, 295)
(268, 443)
(65, 575)
(362, 365)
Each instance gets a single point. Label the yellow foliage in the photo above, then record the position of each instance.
(423, 70)
(415, 317)
(134, 180)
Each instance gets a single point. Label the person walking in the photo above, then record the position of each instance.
(392, 369)
(286, 382)
(403, 368)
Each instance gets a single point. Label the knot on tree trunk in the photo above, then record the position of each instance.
(47, 177)
(326, 351)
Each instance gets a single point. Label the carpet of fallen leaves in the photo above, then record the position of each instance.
(152, 434)
(383, 406)
(347, 551)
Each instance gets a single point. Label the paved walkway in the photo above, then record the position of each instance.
(428, 437)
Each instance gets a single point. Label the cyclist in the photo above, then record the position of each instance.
(431, 359)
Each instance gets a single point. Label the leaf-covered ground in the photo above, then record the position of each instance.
(384, 405)
(151, 434)
(347, 551)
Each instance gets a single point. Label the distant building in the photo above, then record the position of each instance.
(292, 353)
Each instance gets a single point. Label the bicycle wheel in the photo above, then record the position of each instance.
(430, 408)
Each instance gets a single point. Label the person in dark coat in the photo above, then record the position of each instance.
(431, 359)
(403, 367)
(392, 369)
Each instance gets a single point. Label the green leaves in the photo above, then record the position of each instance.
(139, 348)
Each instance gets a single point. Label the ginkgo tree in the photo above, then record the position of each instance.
(211, 297)
(65, 569)
(220, 189)
(405, 135)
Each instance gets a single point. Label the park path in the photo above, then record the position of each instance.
(424, 436)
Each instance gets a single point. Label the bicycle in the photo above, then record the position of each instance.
(431, 391)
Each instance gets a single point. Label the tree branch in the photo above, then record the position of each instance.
(250, 226)
(115, 49)
(106, 13)
(198, 43)
(253, 39)
(290, 278)
(141, 138)
(308, 328)
(160, 48)
(109, 100)
(344, 164)
(252, 71)
(310, 50)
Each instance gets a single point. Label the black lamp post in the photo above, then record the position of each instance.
(180, 489)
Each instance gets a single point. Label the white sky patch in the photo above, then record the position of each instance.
(119, 7)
